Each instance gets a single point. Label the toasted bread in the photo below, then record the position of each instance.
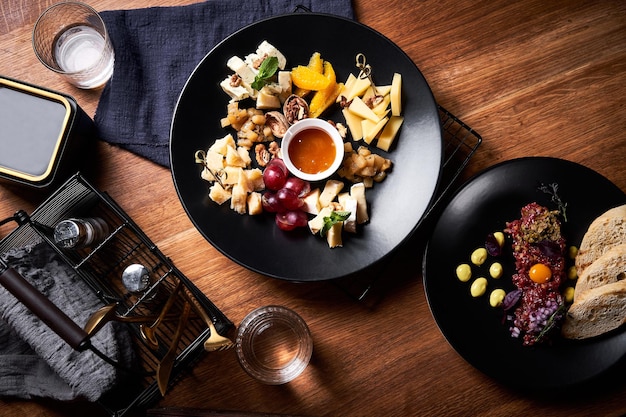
(597, 311)
(608, 268)
(606, 231)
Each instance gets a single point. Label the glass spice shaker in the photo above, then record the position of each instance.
(76, 233)
(136, 278)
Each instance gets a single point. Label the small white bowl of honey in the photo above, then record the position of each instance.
(312, 149)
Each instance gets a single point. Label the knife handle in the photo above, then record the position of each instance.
(43, 308)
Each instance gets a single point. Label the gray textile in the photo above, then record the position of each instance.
(34, 361)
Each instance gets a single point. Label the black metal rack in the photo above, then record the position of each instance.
(101, 268)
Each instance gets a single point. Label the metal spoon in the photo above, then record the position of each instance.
(148, 332)
(99, 318)
(108, 313)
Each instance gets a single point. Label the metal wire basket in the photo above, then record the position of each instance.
(101, 267)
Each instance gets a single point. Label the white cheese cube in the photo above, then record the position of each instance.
(266, 48)
(236, 93)
(312, 202)
(333, 236)
(357, 191)
(331, 189)
(242, 69)
(317, 222)
(350, 204)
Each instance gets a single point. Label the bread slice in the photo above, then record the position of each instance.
(606, 231)
(598, 311)
(608, 268)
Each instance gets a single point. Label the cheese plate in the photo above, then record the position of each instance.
(397, 205)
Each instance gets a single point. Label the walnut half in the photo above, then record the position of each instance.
(276, 121)
(295, 108)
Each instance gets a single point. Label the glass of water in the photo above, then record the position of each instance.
(273, 344)
(70, 39)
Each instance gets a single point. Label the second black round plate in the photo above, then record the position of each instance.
(473, 328)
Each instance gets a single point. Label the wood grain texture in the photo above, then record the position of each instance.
(532, 77)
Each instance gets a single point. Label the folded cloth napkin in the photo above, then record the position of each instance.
(34, 361)
(156, 50)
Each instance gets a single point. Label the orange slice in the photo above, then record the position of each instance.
(308, 79)
(316, 63)
(324, 98)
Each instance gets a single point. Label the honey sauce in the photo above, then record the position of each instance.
(312, 151)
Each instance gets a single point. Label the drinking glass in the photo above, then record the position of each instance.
(273, 344)
(71, 39)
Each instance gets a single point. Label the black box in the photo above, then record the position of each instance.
(42, 133)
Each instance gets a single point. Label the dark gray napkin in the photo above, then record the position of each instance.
(34, 361)
(157, 48)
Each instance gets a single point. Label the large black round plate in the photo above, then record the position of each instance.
(397, 205)
(473, 328)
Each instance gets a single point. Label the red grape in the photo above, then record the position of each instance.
(289, 199)
(301, 187)
(271, 203)
(279, 163)
(289, 220)
(285, 197)
(274, 177)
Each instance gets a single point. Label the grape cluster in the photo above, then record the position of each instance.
(284, 196)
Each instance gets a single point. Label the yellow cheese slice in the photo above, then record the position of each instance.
(396, 95)
(371, 129)
(354, 124)
(359, 108)
(383, 108)
(358, 88)
(389, 133)
(381, 90)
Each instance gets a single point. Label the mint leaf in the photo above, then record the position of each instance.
(330, 221)
(267, 69)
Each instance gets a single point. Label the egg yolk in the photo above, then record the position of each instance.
(540, 273)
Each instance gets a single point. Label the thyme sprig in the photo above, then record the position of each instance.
(554, 319)
(553, 190)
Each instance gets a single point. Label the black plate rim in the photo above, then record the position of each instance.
(553, 382)
(433, 113)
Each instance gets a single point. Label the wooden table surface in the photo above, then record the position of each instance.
(533, 77)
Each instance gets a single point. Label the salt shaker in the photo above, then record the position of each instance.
(76, 233)
(136, 278)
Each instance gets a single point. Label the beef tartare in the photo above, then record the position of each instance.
(539, 253)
